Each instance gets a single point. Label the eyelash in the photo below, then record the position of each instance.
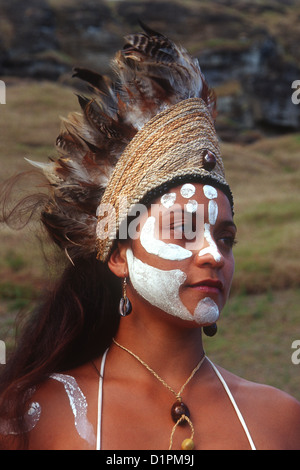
(230, 241)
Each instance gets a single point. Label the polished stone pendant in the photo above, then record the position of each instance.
(210, 330)
(187, 444)
(209, 161)
(178, 410)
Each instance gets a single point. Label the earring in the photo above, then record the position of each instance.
(125, 306)
(210, 330)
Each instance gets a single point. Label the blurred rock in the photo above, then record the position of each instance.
(263, 97)
(33, 33)
(249, 67)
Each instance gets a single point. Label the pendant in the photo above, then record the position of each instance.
(125, 307)
(209, 160)
(187, 444)
(178, 410)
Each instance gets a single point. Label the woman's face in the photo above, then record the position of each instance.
(181, 261)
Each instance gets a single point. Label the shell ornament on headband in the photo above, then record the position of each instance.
(152, 77)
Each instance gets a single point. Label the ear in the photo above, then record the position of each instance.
(117, 262)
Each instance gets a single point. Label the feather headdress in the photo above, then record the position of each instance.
(152, 74)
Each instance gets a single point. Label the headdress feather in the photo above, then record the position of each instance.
(152, 73)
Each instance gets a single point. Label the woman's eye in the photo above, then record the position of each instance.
(184, 230)
(228, 241)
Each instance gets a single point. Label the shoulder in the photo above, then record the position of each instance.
(272, 415)
(64, 415)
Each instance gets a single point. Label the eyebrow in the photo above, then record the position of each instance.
(229, 223)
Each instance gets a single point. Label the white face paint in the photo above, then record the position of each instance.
(207, 311)
(159, 248)
(212, 248)
(191, 206)
(164, 250)
(211, 193)
(161, 289)
(212, 212)
(188, 190)
(168, 200)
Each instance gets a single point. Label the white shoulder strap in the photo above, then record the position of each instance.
(100, 400)
(239, 414)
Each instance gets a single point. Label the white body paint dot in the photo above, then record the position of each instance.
(210, 192)
(191, 206)
(188, 190)
(168, 200)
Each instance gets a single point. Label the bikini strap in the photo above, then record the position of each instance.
(230, 396)
(239, 414)
(100, 400)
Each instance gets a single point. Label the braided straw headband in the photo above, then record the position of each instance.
(170, 145)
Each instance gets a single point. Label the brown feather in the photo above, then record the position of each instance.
(151, 73)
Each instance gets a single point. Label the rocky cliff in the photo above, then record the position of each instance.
(247, 49)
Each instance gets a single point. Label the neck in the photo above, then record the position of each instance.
(168, 346)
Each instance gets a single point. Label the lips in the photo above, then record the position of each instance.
(208, 285)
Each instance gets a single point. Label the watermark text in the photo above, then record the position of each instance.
(2, 352)
(296, 353)
(176, 223)
(2, 92)
(296, 94)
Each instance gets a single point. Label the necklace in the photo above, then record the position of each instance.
(179, 411)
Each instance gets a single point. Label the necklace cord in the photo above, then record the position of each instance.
(181, 420)
(184, 417)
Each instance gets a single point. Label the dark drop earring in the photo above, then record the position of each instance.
(125, 306)
(210, 330)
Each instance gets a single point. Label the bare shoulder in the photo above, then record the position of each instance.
(62, 415)
(44, 403)
(273, 415)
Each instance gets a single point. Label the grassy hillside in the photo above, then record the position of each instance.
(262, 318)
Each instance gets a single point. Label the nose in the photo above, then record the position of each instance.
(207, 257)
(209, 253)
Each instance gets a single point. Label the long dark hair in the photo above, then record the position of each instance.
(74, 323)
(77, 319)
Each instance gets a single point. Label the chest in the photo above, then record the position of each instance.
(139, 419)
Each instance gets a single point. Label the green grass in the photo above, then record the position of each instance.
(30, 122)
(255, 335)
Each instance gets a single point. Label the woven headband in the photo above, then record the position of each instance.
(179, 141)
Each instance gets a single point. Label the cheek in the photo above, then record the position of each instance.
(168, 251)
(228, 271)
(161, 289)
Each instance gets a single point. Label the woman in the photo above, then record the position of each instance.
(140, 185)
